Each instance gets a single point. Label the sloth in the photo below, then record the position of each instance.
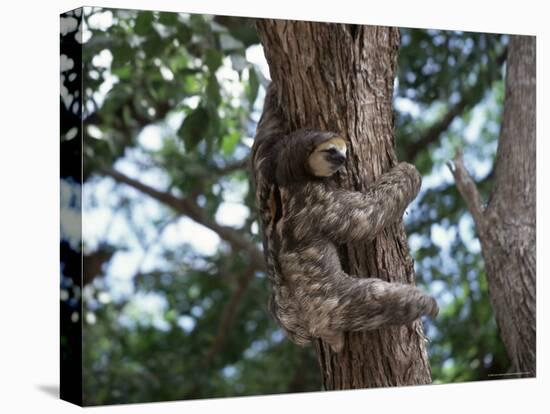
(306, 217)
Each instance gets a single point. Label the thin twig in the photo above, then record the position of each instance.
(229, 314)
(468, 190)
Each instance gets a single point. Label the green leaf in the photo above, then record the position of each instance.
(240, 29)
(213, 91)
(168, 19)
(184, 34)
(144, 23)
(215, 127)
(123, 72)
(153, 45)
(230, 142)
(253, 86)
(246, 34)
(194, 128)
(213, 59)
(122, 53)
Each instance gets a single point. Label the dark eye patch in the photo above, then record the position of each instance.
(334, 156)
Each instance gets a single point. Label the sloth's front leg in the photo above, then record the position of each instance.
(346, 216)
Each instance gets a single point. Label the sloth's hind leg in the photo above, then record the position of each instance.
(368, 304)
(334, 303)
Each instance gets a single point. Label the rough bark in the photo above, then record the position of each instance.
(506, 226)
(340, 78)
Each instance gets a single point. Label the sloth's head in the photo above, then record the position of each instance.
(306, 153)
(327, 157)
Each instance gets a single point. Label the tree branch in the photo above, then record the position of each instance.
(214, 171)
(232, 167)
(432, 134)
(468, 190)
(191, 209)
(229, 314)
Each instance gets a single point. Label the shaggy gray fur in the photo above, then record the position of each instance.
(305, 219)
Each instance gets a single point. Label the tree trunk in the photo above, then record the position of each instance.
(507, 226)
(340, 78)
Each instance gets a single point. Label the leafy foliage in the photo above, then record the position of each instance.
(179, 312)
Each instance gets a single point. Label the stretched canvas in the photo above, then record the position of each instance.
(257, 206)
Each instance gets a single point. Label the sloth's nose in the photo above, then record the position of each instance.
(337, 158)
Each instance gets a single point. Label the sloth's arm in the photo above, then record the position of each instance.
(347, 216)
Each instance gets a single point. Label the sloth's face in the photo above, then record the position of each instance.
(328, 157)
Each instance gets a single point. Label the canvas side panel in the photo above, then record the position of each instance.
(71, 205)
